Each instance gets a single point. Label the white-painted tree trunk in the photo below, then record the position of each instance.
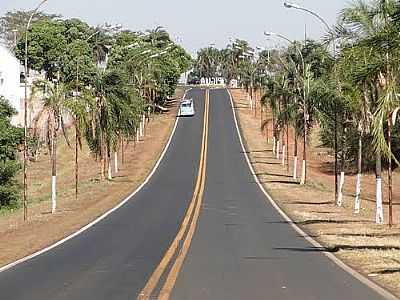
(274, 145)
(53, 194)
(109, 169)
(116, 162)
(303, 173)
(278, 144)
(357, 201)
(283, 154)
(141, 129)
(379, 204)
(340, 193)
(144, 125)
(137, 135)
(295, 168)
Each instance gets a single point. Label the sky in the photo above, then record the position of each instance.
(197, 24)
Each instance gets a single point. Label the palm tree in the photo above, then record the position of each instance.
(114, 114)
(358, 102)
(52, 115)
(371, 27)
(79, 107)
(157, 37)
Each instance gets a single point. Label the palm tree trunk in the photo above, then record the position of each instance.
(379, 205)
(336, 155)
(144, 124)
(109, 170)
(295, 159)
(254, 92)
(390, 173)
(273, 134)
(278, 145)
(102, 170)
(342, 171)
(341, 185)
(261, 111)
(357, 201)
(122, 150)
(54, 172)
(283, 148)
(102, 159)
(304, 162)
(76, 160)
(305, 132)
(141, 127)
(287, 146)
(116, 161)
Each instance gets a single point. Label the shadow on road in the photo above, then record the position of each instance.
(318, 221)
(337, 248)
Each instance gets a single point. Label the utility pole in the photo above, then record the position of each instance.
(25, 194)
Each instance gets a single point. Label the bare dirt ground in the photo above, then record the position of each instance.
(19, 238)
(372, 249)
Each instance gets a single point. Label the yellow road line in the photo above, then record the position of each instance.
(148, 290)
(173, 275)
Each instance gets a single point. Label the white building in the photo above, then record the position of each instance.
(10, 78)
(13, 90)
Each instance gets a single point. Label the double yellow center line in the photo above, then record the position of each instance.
(180, 246)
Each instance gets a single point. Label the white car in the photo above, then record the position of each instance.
(186, 108)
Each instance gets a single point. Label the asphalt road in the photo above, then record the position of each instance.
(243, 249)
(115, 258)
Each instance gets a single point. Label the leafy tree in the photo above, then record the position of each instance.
(46, 44)
(10, 139)
(13, 25)
(52, 114)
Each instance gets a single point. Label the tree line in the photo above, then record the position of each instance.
(347, 85)
(104, 80)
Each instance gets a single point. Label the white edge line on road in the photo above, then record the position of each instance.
(380, 290)
(106, 214)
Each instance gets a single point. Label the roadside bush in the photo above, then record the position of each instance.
(10, 138)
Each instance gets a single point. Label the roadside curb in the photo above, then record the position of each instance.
(369, 283)
(106, 214)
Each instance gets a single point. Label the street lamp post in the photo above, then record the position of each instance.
(28, 25)
(305, 113)
(313, 13)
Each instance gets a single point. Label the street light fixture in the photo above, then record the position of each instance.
(298, 7)
(28, 25)
(269, 34)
